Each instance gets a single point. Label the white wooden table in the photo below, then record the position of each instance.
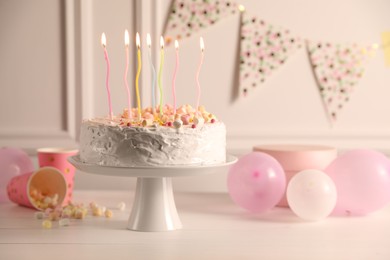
(214, 228)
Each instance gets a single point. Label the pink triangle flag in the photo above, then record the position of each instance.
(190, 16)
(264, 48)
(337, 69)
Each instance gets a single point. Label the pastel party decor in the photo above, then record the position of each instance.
(264, 48)
(338, 69)
(138, 44)
(362, 179)
(152, 69)
(386, 46)
(298, 157)
(174, 77)
(104, 44)
(187, 17)
(311, 195)
(256, 182)
(13, 162)
(58, 158)
(160, 74)
(127, 42)
(46, 181)
(198, 72)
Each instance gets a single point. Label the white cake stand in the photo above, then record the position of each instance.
(154, 207)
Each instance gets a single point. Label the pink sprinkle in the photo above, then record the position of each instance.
(193, 126)
(185, 119)
(213, 121)
(169, 124)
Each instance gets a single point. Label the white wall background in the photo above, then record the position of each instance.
(52, 74)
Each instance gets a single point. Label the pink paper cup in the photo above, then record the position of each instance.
(47, 180)
(57, 158)
(296, 158)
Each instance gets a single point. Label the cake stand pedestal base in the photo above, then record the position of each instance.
(154, 206)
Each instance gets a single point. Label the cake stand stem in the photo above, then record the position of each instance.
(154, 207)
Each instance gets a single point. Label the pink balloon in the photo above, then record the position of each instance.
(362, 179)
(256, 182)
(13, 162)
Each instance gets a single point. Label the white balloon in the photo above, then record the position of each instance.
(311, 195)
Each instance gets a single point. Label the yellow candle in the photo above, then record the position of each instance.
(138, 43)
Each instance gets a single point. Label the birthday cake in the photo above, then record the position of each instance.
(151, 138)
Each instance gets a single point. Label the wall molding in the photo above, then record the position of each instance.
(32, 138)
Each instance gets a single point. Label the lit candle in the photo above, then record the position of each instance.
(127, 40)
(174, 77)
(160, 72)
(138, 43)
(197, 73)
(104, 43)
(153, 71)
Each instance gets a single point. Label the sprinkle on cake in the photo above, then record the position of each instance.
(185, 115)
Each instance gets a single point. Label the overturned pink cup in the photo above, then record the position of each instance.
(57, 158)
(48, 181)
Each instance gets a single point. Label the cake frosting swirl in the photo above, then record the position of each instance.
(151, 138)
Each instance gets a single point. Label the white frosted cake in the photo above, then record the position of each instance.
(187, 137)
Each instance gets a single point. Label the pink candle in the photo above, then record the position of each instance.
(127, 40)
(138, 44)
(103, 40)
(174, 77)
(197, 73)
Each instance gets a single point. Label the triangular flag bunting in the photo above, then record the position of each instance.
(264, 48)
(189, 16)
(337, 69)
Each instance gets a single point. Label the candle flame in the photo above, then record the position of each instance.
(201, 44)
(176, 44)
(148, 40)
(137, 41)
(127, 40)
(241, 8)
(162, 42)
(103, 40)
